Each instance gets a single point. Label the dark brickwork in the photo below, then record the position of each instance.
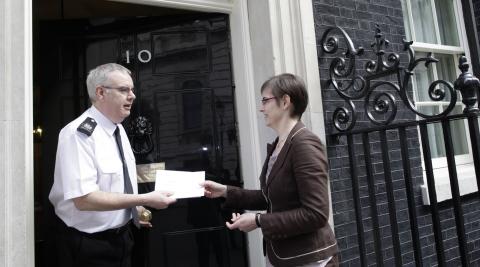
(358, 18)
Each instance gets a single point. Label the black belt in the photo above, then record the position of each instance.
(107, 234)
(117, 230)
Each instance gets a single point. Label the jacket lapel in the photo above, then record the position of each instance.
(283, 153)
(270, 148)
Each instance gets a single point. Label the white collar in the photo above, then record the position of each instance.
(102, 120)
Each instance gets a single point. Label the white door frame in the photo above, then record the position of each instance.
(17, 241)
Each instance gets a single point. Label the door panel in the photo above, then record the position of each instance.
(181, 52)
(183, 83)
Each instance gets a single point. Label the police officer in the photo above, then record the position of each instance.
(95, 190)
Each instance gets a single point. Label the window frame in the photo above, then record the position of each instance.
(463, 162)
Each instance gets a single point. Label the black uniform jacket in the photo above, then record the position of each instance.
(295, 195)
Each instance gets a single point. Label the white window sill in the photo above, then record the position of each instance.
(466, 181)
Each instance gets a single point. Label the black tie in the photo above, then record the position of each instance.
(126, 177)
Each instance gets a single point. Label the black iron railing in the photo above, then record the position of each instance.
(372, 91)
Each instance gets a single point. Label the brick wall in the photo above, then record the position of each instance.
(358, 18)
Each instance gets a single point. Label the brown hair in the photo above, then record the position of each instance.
(291, 85)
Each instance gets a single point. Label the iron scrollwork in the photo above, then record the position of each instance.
(140, 135)
(379, 105)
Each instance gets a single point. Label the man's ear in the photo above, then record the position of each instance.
(100, 93)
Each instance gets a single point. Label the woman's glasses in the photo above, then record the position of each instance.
(265, 99)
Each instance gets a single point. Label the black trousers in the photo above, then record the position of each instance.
(111, 248)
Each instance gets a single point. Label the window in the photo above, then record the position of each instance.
(437, 26)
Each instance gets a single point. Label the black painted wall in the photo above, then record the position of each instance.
(358, 18)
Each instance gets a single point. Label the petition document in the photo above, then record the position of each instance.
(182, 184)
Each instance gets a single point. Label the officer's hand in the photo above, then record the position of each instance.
(159, 199)
(214, 190)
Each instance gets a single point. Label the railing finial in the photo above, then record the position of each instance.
(468, 85)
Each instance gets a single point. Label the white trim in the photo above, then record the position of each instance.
(246, 114)
(435, 22)
(301, 255)
(29, 255)
(462, 34)
(410, 20)
(467, 183)
(222, 6)
(459, 20)
(16, 140)
(295, 133)
(277, 37)
(442, 49)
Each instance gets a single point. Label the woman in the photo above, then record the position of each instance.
(293, 181)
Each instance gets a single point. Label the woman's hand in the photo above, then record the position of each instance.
(243, 222)
(214, 190)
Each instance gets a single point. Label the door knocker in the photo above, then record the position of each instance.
(140, 135)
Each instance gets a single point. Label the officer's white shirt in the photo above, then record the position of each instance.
(85, 164)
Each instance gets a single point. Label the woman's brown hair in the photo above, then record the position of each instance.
(291, 85)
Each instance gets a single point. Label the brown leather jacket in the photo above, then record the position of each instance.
(295, 195)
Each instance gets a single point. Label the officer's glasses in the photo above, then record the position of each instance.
(122, 90)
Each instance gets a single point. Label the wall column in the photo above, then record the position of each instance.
(16, 138)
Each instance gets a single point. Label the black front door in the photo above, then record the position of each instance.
(183, 119)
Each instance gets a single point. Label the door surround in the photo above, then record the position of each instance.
(16, 139)
(291, 40)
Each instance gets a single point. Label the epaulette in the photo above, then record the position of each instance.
(87, 126)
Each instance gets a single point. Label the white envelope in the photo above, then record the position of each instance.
(182, 184)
